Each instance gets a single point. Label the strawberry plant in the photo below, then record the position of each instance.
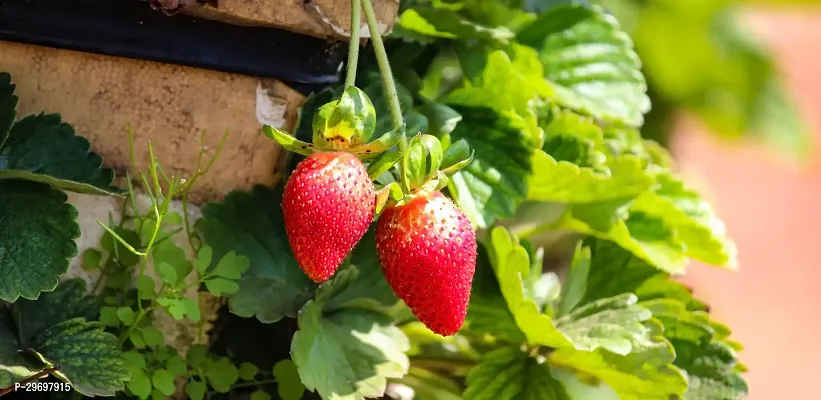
(473, 214)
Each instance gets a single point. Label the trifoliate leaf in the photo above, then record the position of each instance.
(693, 219)
(511, 264)
(289, 384)
(222, 375)
(37, 251)
(8, 105)
(565, 182)
(427, 23)
(87, 356)
(495, 182)
(251, 225)
(44, 149)
(613, 324)
(347, 353)
(508, 373)
(646, 373)
(590, 62)
(170, 254)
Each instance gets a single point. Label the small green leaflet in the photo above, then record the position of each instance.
(250, 224)
(54, 331)
(590, 62)
(37, 252)
(348, 353)
(289, 384)
(508, 373)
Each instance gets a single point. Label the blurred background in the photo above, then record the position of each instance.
(737, 97)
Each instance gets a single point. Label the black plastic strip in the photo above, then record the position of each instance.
(132, 29)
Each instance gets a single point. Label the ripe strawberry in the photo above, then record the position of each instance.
(328, 205)
(427, 249)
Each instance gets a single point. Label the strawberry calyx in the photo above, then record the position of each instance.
(346, 124)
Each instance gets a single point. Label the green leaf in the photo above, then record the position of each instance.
(493, 185)
(15, 365)
(196, 355)
(44, 149)
(646, 373)
(67, 301)
(251, 225)
(91, 259)
(176, 366)
(288, 142)
(88, 356)
(152, 336)
(37, 252)
(508, 373)
(180, 307)
(613, 324)
(692, 218)
(221, 286)
(108, 316)
(126, 315)
(488, 311)
(441, 118)
(204, 257)
(222, 375)
(247, 371)
(289, 384)
(645, 236)
(140, 385)
(511, 265)
(173, 218)
(8, 105)
(163, 381)
(347, 353)
(196, 390)
(168, 274)
(701, 350)
(146, 287)
(362, 283)
(590, 62)
(231, 266)
(427, 23)
(261, 395)
(565, 182)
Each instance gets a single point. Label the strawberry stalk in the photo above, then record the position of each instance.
(385, 71)
(353, 45)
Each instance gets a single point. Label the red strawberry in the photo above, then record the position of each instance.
(427, 249)
(328, 205)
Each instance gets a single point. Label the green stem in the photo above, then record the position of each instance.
(385, 71)
(353, 45)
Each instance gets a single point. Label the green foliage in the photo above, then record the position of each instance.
(58, 331)
(530, 118)
(251, 225)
